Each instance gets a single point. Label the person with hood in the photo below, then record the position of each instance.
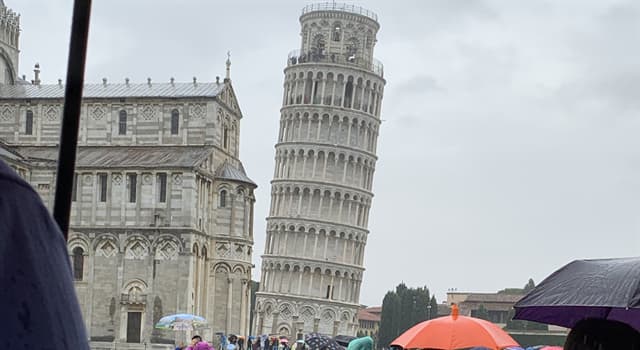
(38, 300)
(600, 334)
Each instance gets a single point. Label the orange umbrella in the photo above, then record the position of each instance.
(454, 332)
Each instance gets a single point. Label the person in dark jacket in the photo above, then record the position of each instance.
(599, 334)
(38, 301)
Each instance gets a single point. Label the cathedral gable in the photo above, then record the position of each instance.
(228, 98)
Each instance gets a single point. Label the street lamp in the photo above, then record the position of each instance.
(428, 311)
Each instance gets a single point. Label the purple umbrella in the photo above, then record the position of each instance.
(601, 288)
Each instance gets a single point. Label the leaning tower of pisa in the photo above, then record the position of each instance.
(321, 193)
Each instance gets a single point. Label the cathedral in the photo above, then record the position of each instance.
(162, 214)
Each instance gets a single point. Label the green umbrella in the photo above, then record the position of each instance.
(364, 343)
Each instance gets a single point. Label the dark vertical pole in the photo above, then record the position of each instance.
(71, 113)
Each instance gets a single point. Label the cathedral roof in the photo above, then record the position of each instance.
(129, 90)
(125, 157)
(229, 172)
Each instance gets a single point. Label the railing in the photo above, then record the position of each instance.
(332, 6)
(296, 57)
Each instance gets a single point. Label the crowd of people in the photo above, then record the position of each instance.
(233, 342)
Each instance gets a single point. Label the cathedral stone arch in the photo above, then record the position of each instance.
(327, 316)
(308, 314)
(221, 268)
(79, 240)
(239, 270)
(166, 248)
(106, 245)
(136, 247)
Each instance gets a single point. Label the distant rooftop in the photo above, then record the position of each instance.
(332, 6)
(111, 90)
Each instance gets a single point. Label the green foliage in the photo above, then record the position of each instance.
(402, 309)
(529, 286)
(481, 312)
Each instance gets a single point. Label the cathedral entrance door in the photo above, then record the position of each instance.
(134, 323)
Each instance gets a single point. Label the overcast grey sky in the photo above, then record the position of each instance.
(510, 143)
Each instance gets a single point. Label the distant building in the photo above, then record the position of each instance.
(369, 321)
(162, 214)
(494, 307)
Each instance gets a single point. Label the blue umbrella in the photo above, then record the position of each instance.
(181, 322)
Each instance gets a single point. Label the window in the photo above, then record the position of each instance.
(102, 183)
(122, 123)
(162, 187)
(28, 128)
(337, 32)
(223, 199)
(329, 292)
(133, 187)
(74, 189)
(175, 122)
(225, 136)
(78, 263)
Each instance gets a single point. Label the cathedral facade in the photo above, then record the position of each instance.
(162, 214)
(321, 194)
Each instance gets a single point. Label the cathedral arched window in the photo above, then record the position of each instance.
(122, 122)
(28, 127)
(223, 199)
(175, 122)
(225, 137)
(78, 263)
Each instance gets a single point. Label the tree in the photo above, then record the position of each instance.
(432, 312)
(529, 286)
(402, 309)
(481, 312)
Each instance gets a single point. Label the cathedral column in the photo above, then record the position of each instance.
(331, 206)
(274, 324)
(320, 204)
(300, 195)
(304, 245)
(308, 136)
(341, 204)
(304, 164)
(315, 245)
(243, 307)
(319, 127)
(299, 130)
(229, 303)
(324, 169)
(315, 161)
(232, 197)
(324, 87)
(326, 243)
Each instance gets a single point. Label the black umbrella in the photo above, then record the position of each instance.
(343, 340)
(317, 341)
(603, 288)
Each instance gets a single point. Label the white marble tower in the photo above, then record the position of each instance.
(321, 193)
